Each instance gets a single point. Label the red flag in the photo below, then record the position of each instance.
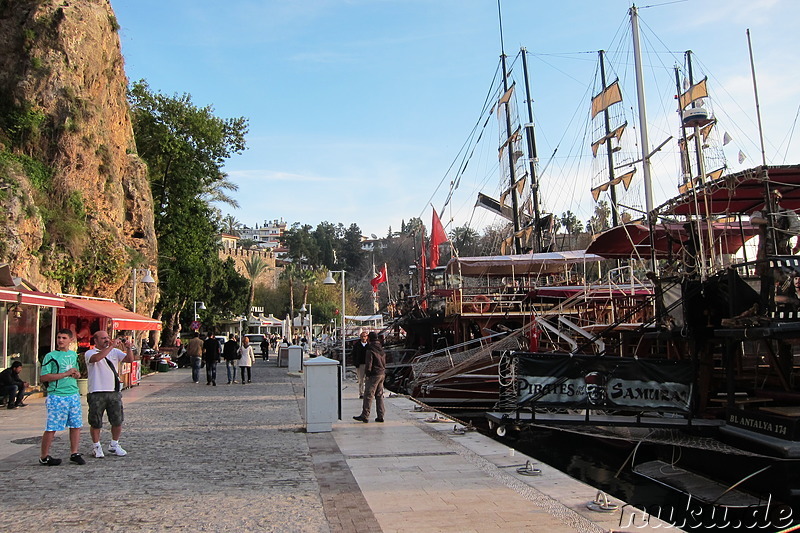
(380, 278)
(438, 236)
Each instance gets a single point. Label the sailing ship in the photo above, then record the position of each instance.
(713, 366)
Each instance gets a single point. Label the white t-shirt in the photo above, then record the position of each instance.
(101, 378)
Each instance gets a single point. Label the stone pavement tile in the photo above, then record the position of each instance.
(200, 459)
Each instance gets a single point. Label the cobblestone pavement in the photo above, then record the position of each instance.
(201, 458)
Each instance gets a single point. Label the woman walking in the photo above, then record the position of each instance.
(246, 359)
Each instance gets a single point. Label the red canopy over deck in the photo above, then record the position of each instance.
(633, 240)
(739, 193)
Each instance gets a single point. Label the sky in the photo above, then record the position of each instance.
(358, 109)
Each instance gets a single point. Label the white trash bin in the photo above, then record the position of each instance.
(321, 379)
(295, 358)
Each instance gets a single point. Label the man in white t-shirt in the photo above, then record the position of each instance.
(103, 364)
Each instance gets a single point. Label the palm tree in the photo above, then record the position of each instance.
(230, 225)
(254, 266)
(215, 191)
(290, 273)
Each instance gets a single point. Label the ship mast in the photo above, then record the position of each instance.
(648, 184)
(512, 178)
(609, 148)
(532, 157)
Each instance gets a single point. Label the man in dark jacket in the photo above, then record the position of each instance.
(375, 372)
(265, 348)
(211, 358)
(12, 387)
(230, 352)
(357, 356)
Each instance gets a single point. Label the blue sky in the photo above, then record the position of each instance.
(357, 108)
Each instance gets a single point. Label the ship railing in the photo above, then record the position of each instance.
(448, 351)
(488, 300)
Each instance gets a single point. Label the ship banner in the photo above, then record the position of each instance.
(604, 382)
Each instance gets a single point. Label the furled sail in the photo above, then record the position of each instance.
(696, 91)
(616, 134)
(625, 179)
(608, 97)
(711, 176)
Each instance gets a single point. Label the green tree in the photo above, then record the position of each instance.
(303, 248)
(230, 225)
(569, 221)
(185, 147)
(599, 222)
(352, 256)
(465, 240)
(254, 266)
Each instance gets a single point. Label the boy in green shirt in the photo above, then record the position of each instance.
(59, 370)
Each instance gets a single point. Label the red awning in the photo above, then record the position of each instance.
(739, 193)
(24, 296)
(632, 241)
(121, 318)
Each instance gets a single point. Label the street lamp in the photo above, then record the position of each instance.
(148, 278)
(330, 281)
(198, 305)
(310, 337)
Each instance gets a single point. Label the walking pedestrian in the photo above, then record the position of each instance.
(246, 359)
(195, 352)
(375, 372)
(211, 358)
(265, 348)
(12, 386)
(63, 403)
(230, 352)
(103, 363)
(358, 355)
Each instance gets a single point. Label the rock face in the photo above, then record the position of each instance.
(80, 209)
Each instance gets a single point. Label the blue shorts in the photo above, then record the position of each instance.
(63, 412)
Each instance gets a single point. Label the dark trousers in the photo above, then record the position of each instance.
(373, 388)
(243, 368)
(211, 372)
(13, 394)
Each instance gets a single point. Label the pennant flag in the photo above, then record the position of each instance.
(726, 139)
(380, 278)
(609, 96)
(695, 92)
(438, 236)
(742, 157)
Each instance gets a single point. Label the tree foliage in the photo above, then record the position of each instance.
(185, 147)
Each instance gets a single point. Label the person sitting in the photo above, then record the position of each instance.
(12, 387)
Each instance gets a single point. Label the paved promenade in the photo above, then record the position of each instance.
(237, 458)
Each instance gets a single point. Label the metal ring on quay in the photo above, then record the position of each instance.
(529, 470)
(601, 504)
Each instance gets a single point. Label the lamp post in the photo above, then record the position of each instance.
(148, 278)
(310, 336)
(330, 281)
(198, 305)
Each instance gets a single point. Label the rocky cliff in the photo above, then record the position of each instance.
(78, 203)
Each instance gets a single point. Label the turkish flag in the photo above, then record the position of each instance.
(380, 278)
(438, 236)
